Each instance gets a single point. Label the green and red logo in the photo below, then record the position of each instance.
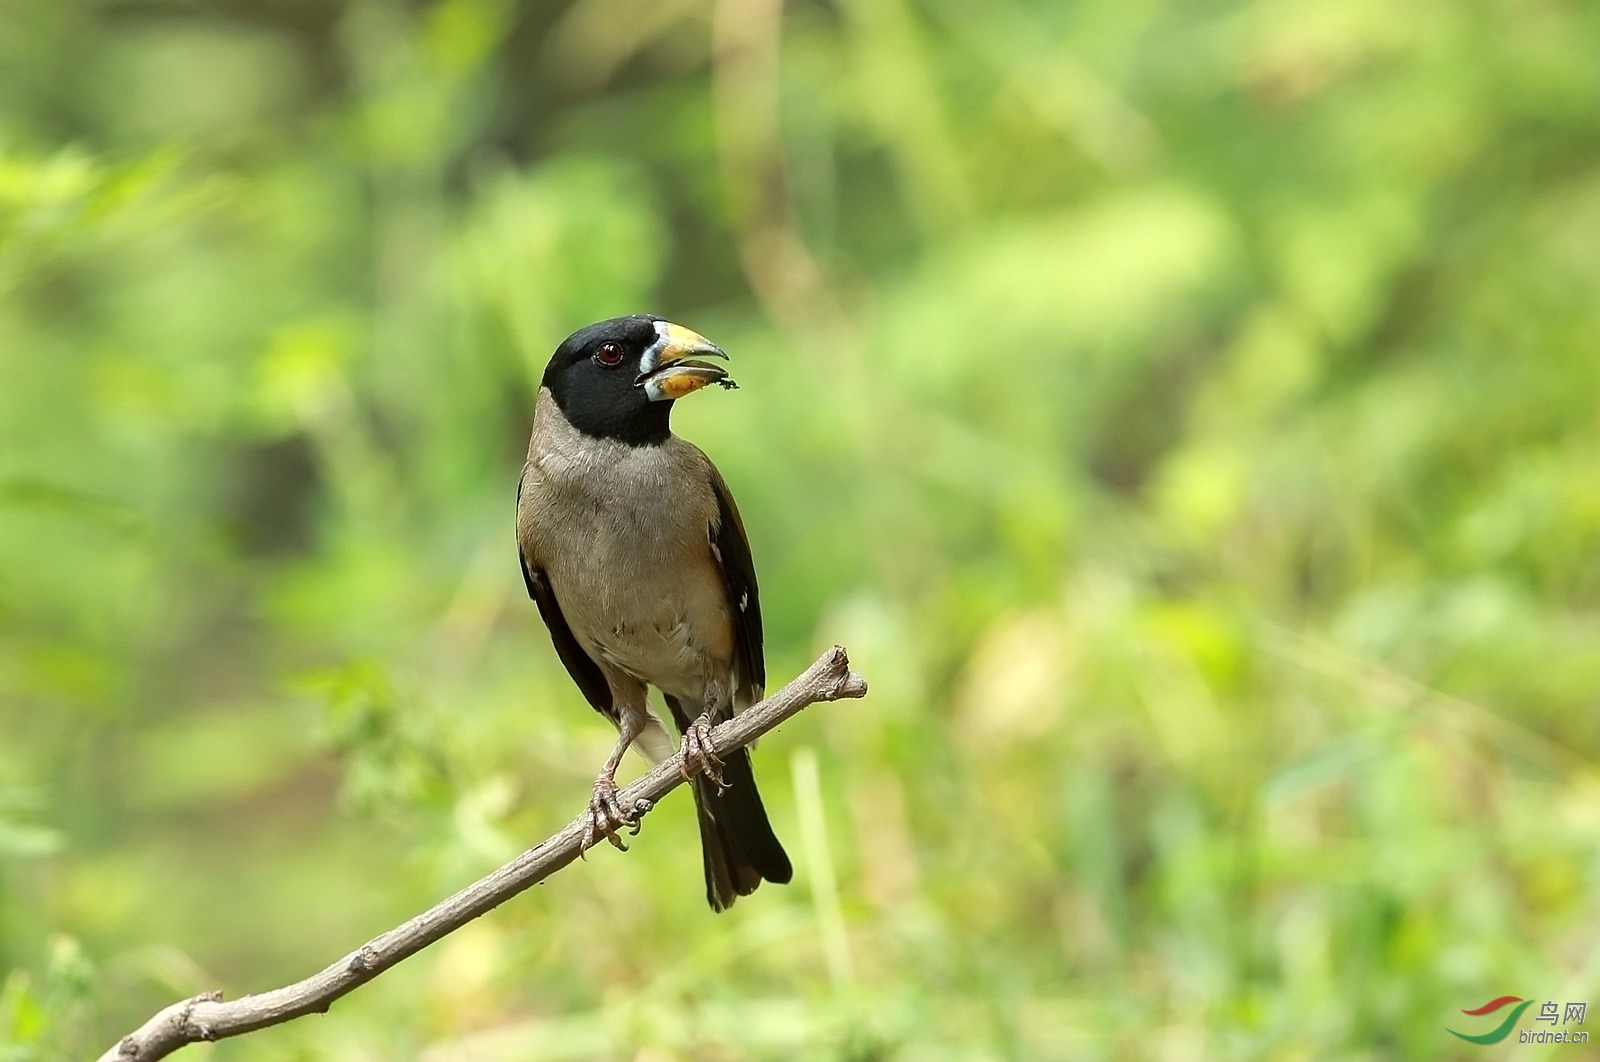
(1501, 1031)
(1551, 1013)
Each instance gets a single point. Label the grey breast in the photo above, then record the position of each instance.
(623, 534)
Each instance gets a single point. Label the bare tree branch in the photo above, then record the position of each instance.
(208, 1017)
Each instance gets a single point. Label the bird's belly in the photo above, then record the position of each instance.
(647, 610)
(669, 658)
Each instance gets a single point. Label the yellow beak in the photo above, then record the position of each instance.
(666, 371)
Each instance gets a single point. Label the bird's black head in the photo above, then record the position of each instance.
(617, 379)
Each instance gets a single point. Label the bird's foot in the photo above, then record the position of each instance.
(607, 815)
(699, 754)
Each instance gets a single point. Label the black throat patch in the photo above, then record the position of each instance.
(610, 412)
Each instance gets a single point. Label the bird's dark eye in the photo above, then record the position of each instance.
(609, 355)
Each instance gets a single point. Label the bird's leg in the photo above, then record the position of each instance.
(606, 814)
(699, 754)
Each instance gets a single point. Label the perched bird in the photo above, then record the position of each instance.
(635, 554)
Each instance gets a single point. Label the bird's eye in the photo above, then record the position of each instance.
(609, 355)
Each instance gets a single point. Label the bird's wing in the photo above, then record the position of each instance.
(731, 551)
(580, 665)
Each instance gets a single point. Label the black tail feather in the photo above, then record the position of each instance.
(736, 839)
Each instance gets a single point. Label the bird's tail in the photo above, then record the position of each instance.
(736, 839)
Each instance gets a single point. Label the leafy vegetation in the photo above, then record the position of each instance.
(1186, 414)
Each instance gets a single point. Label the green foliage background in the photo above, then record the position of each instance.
(1185, 412)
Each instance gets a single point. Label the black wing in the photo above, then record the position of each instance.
(580, 665)
(731, 549)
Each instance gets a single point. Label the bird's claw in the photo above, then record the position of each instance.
(699, 754)
(606, 815)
